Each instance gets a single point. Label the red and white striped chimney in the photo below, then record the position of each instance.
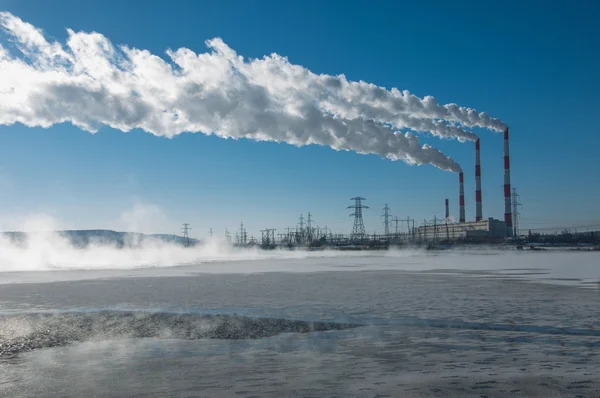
(478, 204)
(461, 180)
(507, 196)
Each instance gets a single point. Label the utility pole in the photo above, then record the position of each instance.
(358, 230)
(301, 232)
(309, 228)
(264, 241)
(386, 220)
(396, 220)
(186, 228)
(516, 205)
(408, 229)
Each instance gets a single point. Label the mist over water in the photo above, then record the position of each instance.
(46, 251)
(49, 251)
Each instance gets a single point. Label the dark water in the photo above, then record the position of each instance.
(346, 334)
(30, 331)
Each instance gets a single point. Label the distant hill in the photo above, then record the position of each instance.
(83, 238)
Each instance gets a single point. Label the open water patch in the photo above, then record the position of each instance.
(29, 331)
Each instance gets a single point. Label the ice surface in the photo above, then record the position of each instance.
(575, 268)
(449, 324)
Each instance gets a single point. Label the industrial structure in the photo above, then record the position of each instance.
(478, 199)
(386, 219)
(185, 230)
(474, 231)
(461, 198)
(516, 205)
(436, 231)
(507, 193)
(358, 230)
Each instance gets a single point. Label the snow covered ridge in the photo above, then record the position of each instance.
(85, 238)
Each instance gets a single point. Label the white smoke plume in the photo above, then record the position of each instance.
(90, 83)
(353, 100)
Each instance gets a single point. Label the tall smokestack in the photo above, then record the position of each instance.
(461, 179)
(447, 209)
(507, 197)
(478, 204)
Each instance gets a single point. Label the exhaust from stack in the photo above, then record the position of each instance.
(507, 197)
(461, 200)
(478, 202)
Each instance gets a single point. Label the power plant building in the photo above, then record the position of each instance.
(474, 230)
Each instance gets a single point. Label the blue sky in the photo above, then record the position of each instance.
(532, 64)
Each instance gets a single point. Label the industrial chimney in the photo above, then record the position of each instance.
(507, 193)
(447, 209)
(478, 204)
(461, 179)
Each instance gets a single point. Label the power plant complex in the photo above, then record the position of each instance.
(438, 231)
(480, 229)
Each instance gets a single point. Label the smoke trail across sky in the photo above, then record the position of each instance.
(90, 83)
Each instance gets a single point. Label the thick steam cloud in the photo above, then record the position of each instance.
(90, 83)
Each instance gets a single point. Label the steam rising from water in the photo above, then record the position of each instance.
(44, 249)
(26, 332)
(50, 251)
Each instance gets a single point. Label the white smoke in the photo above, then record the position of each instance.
(91, 83)
(354, 100)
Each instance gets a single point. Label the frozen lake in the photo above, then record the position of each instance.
(475, 323)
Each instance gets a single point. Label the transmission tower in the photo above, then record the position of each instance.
(210, 233)
(227, 236)
(243, 235)
(358, 230)
(516, 205)
(309, 232)
(185, 229)
(386, 220)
